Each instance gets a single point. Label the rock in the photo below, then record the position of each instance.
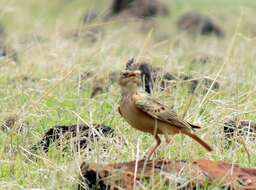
(114, 76)
(99, 86)
(205, 59)
(171, 174)
(204, 82)
(207, 82)
(87, 134)
(138, 8)
(120, 5)
(13, 122)
(85, 78)
(9, 123)
(87, 75)
(152, 76)
(235, 127)
(146, 70)
(163, 78)
(197, 23)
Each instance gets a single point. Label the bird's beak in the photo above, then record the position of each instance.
(134, 74)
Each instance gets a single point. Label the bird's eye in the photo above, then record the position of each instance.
(124, 74)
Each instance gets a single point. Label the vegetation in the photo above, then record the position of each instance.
(43, 88)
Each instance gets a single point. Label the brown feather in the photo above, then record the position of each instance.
(159, 111)
(197, 139)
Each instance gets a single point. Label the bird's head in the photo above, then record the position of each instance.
(130, 81)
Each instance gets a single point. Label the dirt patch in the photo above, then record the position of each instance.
(63, 133)
(196, 23)
(180, 174)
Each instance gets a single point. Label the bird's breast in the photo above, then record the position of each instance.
(137, 118)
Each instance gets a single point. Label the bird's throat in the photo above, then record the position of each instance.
(128, 93)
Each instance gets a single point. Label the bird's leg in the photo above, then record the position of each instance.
(158, 142)
(168, 140)
(167, 137)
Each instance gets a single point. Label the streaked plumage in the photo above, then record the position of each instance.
(147, 114)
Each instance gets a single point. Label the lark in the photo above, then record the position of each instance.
(147, 114)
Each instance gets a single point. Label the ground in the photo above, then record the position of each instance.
(43, 86)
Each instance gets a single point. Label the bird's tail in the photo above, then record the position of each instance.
(200, 141)
(194, 126)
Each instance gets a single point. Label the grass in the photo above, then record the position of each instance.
(51, 93)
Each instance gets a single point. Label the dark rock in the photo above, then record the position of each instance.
(85, 78)
(168, 76)
(14, 123)
(93, 181)
(163, 78)
(152, 76)
(205, 83)
(120, 5)
(146, 73)
(99, 86)
(138, 8)
(196, 23)
(114, 76)
(205, 58)
(87, 133)
(9, 123)
(234, 127)
(86, 75)
(148, 9)
(192, 83)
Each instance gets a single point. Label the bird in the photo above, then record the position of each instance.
(145, 113)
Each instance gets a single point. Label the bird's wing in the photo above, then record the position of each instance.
(159, 111)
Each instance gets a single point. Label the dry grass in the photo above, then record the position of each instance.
(50, 94)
